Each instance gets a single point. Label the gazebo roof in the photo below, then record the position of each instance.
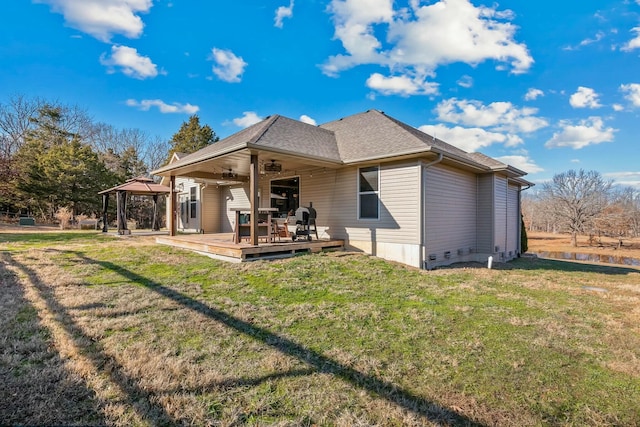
(139, 186)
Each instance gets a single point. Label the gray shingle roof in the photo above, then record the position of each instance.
(276, 133)
(299, 138)
(373, 134)
(365, 136)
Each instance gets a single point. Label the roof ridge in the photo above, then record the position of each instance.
(435, 142)
(267, 123)
(404, 126)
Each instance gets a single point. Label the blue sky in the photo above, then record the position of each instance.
(545, 86)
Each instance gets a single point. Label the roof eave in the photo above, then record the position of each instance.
(165, 170)
(510, 170)
(394, 156)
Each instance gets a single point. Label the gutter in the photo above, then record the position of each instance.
(423, 219)
(391, 156)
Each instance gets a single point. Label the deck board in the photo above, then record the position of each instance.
(222, 245)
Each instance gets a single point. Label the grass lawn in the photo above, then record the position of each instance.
(105, 331)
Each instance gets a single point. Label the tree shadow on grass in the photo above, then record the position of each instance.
(418, 405)
(535, 263)
(36, 388)
(101, 363)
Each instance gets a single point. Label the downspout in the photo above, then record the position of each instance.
(201, 216)
(506, 221)
(423, 218)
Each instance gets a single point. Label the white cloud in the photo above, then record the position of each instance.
(401, 85)
(502, 116)
(617, 107)
(353, 21)
(469, 139)
(533, 94)
(103, 18)
(283, 12)
(465, 81)
(248, 118)
(585, 97)
(306, 119)
(625, 179)
(129, 62)
(229, 67)
(523, 163)
(586, 42)
(423, 37)
(146, 104)
(633, 43)
(632, 91)
(587, 132)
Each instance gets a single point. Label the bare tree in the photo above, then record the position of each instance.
(576, 198)
(156, 153)
(114, 144)
(15, 121)
(538, 215)
(620, 218)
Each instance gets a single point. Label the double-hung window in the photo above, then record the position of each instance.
(369, 192)
(193, 202)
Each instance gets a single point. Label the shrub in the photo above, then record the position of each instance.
(524, 240)
(64, 215)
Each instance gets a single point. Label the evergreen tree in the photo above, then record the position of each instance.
(56, 169)
(524, 239)
(191, 137)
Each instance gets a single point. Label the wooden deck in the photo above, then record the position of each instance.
(222, 246)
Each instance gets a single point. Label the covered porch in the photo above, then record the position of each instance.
(222, 246)
(251, 172)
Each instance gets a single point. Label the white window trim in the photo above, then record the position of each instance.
(193, 202)
(359, 193)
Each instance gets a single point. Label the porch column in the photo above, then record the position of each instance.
(121, 202)
(105, 206)
(154, 225)
(253, 198)
(172, 207)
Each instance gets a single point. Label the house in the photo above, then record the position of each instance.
(382, 186)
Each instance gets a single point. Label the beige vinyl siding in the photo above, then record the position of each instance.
(400, 203)
(210, 209)
(186, 182)
(485, 214)
(513, 221)
(334, 194)
(450, 211)
(320, 189)
(234, 196)
(500, 212)
(264, 192)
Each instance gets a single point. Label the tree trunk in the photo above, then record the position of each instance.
(574, 239)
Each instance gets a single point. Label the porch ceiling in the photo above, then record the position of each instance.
(239, 162)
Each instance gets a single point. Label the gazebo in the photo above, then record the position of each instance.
(140, 186)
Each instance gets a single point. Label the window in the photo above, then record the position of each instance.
(368, 192)
(285, 195)
(193, 203)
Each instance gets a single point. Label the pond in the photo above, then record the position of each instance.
(606, 259)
